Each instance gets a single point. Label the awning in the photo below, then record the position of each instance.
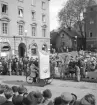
(5, 46)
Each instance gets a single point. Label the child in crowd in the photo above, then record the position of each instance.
(8, 94)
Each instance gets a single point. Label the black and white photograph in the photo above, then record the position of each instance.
(48, 52)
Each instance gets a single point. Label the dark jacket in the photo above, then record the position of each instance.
(2, 100)
(18, 100)
(7, 103)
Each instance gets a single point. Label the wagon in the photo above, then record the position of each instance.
(44, 75)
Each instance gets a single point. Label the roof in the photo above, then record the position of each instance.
(71, 32)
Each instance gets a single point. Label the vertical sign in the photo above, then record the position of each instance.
(44, 70)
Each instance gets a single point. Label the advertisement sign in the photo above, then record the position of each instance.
(44, 70)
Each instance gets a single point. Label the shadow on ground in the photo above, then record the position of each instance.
(16, 82)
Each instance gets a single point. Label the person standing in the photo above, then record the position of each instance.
(77, 70)
(33, 70)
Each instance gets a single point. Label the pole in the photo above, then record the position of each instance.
(26, 46)
(26, 40)
(14, 44)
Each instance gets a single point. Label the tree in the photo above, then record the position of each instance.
(71, 13)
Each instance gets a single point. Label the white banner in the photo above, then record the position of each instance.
(44, 70)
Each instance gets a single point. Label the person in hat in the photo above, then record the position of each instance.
(68, 98)
(88, 99)
(8, 94)
(30, 99)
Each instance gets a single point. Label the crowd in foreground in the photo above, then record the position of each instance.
(18, 95)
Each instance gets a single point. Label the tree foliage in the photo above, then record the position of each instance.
(71, 13)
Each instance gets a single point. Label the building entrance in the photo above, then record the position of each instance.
(22, 49)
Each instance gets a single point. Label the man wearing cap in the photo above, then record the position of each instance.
(68, 98)
(19, 98)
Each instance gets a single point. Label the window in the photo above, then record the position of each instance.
(21, 29)
(4, 8)
(20, 12)
(33, 31)
(91, 34)
(33, 15)
(33, 2)
(43, 5)
(43, 32)
(43, 18)
(5, 28)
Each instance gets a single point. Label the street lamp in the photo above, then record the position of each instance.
(26, 40)
(76, 42)
(14, 44)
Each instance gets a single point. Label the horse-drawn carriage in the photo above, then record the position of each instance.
(42, 74)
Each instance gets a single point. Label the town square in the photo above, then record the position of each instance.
(48, 52)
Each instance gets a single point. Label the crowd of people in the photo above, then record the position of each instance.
(17, 65)
(65, 66)
(19, 95)
(70, 66)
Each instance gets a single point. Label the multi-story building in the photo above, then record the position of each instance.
(91, 25)
(24, 26)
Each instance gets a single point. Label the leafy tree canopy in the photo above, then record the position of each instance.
(71, 12)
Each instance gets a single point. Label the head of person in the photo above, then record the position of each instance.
(25, 95)
(47, 94)
(8, 93)
(39, 97)
(67, 98)
(15, 89)
(88, 99)
(30, 99)
(58, 101)
(2, 88)
(21, 90)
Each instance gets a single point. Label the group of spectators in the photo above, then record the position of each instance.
(70, 66)
(19, 95)
(16, 66)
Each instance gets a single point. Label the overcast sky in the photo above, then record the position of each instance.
(55, 6)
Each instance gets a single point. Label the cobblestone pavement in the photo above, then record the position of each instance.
(57, 86)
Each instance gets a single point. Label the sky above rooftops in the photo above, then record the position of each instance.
(55, 7)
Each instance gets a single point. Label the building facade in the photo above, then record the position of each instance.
(65, 39)
(24, 26)
(90, 18)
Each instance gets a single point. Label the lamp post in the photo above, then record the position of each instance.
(14, 44)
(76, 42)
(26, 40)
(51, 48)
